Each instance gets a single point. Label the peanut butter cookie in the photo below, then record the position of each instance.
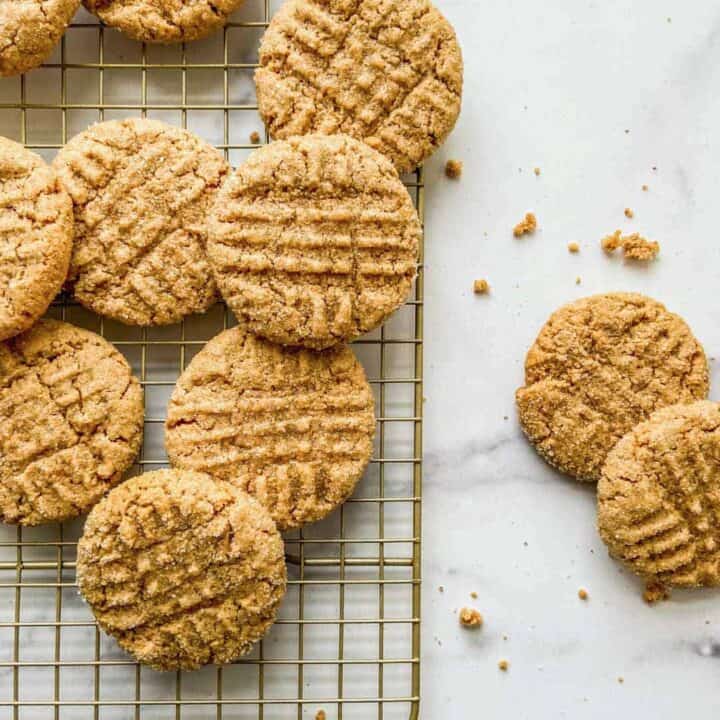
(314, 240)
(71, 422)
(30, 30)
(292, 427)
(659, 497)
(164, 21)
(141, 190)
(36, 232)
(182, 570)
(388, 72)
(599, 366)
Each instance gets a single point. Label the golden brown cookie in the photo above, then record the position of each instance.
(388, 72)
(71, 422)
(164, 21)
(141, 191)
(599, 366)
(30, 30)
(314, 240)
(659, 497)
(36, 231)
(292, 427)
(182, 570)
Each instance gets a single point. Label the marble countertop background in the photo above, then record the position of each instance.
(604, 97)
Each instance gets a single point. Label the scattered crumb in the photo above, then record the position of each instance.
(578, 280)
(473, 595)
(536, 170)
(320, 715)
(655, 592)
(254, 137)
(583, 594)
(526, 226)
(505, 637)
(573, 247)
(621, 680)
(634, 247)
(504, 665)
(629, 213)
(481, 287)
(453, 169)
(645, 188)
(471, 618)
(627, 132)
(441, 588)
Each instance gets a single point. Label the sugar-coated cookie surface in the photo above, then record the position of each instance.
(659, 496)
(292, 427)
(71, 422)
(36, 234)
(164, 21)
(314, 240)
(141, 190)
(599, 366)
(30, 30)
(182, 570)
(389, 72)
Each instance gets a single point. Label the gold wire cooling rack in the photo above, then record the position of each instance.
(348, 636)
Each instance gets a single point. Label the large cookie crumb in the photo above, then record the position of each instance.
(527, 226)
(470, 618)
(634, 246)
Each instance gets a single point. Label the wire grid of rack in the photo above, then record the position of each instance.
(348, 636)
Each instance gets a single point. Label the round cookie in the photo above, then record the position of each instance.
(141, 191)
(659, 496)
(164, 21)
(292, 427)
(71, 422)
(182, 570)
(389, 72)
(30, 30)
(314, 240)
(36, 233)
(599, 366)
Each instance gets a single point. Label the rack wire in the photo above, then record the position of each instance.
(348, 636)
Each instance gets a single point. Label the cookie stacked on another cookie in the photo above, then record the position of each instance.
(141, 192)
(314, 240)
(182, 570)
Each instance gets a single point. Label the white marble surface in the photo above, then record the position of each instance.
(596, 94)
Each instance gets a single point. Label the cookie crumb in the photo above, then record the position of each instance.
(453, 169)
(254, 137)
(481, 287)
(573, 247)
(578, 280)
(621, 679)
(504, 665)
(645, 188)
(634, 247)
(441, 588)
(526, 226)
(320, 715)
(629, 213)
(473, 595)
(536, 170)
(655, 592)
(471, 618)
(583, 594)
